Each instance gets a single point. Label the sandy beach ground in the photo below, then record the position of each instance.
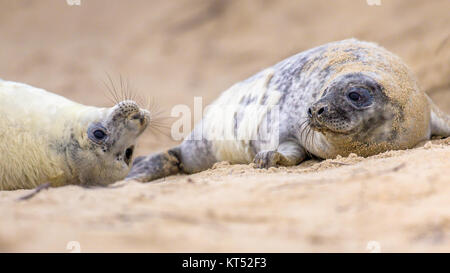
(173, 51)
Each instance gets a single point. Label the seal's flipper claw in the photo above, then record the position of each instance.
(288, 153)
(146, 169)
(267, 159)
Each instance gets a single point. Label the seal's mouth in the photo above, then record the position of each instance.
(143, 118)
(316, 126)
(322, 127)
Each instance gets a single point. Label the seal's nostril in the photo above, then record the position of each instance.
(309, 112)
(321, 110)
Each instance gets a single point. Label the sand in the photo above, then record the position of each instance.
(175, 50)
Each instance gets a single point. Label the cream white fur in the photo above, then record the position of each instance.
(31, 119)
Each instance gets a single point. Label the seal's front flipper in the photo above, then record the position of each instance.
(287, 154)
(440, 121)
(155, 166)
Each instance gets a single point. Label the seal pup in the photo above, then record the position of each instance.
(46, 138)
(343, 97)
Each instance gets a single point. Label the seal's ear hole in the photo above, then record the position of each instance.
(128, 154)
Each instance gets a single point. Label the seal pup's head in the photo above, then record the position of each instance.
(109, 142)
(355, 114)
(368, 103)
(353, 104)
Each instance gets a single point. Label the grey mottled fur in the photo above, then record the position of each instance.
(301, 83)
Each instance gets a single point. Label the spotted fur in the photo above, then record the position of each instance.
(268, 121)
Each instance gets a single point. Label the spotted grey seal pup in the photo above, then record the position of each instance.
(46, 138)
(339, 98)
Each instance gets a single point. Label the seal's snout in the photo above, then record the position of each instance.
(127, 108)
(143, 117)
(323, 116)
(316, 111)
(130, 115)
(123, 110)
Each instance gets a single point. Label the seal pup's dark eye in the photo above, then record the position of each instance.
(99, 134)
(354, 96)
(359, 97)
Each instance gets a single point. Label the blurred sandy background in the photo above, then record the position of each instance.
(175, 50)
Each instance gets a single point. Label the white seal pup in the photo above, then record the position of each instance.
(46, 138)
(339, 98)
